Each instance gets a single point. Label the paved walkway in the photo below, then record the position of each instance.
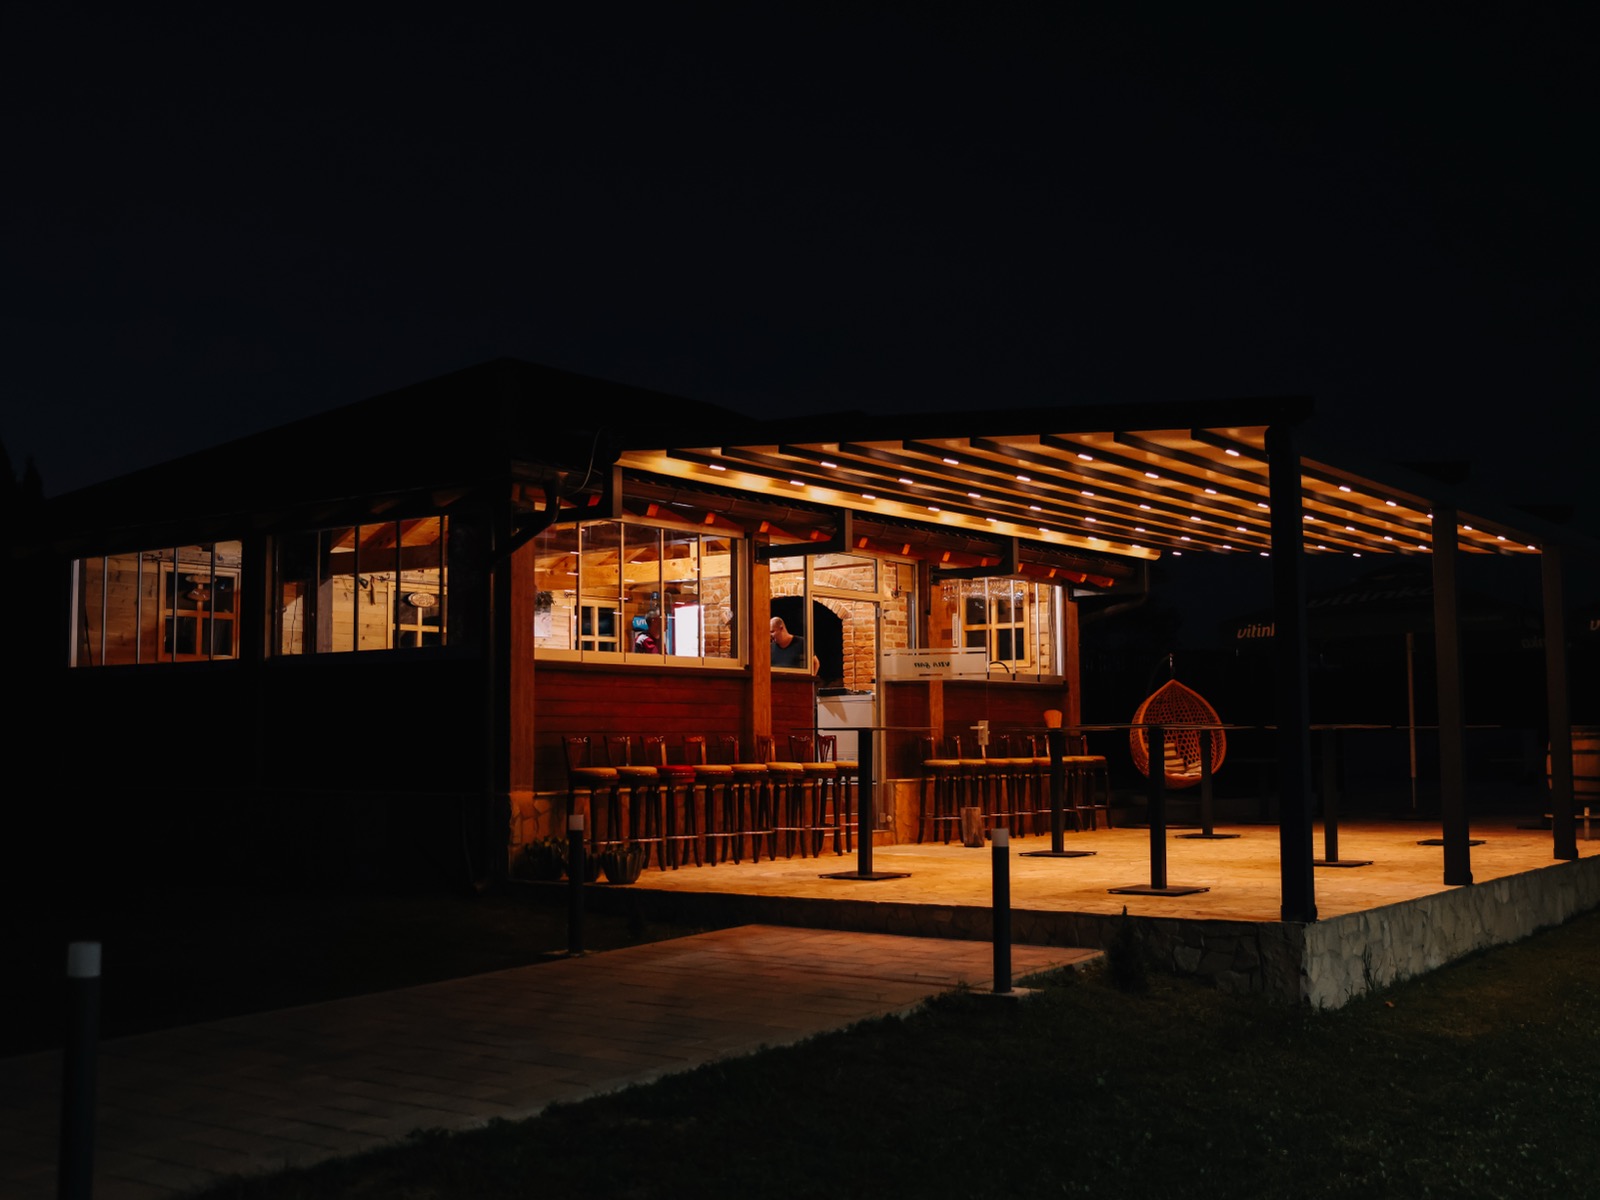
(182, 1108)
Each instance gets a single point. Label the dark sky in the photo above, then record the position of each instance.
(212, 225)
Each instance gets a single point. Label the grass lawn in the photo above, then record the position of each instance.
(1480, 1080)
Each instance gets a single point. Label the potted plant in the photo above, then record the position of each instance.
(623, 862)
(544, 859)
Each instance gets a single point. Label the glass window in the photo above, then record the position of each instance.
(646, 592)
(379, 586)
(1013, 621)
(177, 604)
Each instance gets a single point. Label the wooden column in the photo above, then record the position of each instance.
(520, 781)
(759, 718)
(1563, 827)
(1072, 666)
(1292, 674)
(1452, 733)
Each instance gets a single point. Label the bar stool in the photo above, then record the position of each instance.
(847, 782)
(1009, 778)
(594, 781)
(640, 784)
(820, 792)
(750, 801)
(974, 776)
(715, 783)
(676, 780)
(1092, 778)
(937, 806)
(1071, 801)
(786, 784)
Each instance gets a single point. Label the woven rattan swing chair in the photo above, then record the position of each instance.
(1173, 704)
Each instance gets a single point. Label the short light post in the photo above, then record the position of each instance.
(76, 1164)
(1000, 857)
(576, 873)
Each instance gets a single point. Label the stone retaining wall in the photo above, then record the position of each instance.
(1325, 963)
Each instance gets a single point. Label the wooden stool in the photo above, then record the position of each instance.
(786, 780)
(675, 780)
(846, 783)
(639, 785)
(593, 781)
(941, 781)
(820, 792)
(750, 802)
(719, 826)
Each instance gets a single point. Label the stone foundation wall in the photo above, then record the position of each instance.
(1350, 955)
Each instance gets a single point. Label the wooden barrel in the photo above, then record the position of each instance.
(1585, 765)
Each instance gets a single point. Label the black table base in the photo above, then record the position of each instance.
(1150, 889)
(1207, 837)
(1341, 862)
(1057, 854)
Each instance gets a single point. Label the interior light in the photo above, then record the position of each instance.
(1088, 494)
(1466, 528)
(1211, 491)
(1261, 503)
(796, 483)
(826, 463)
(1231, 453)
(1344, 487)
(1391, 504)
(1085, 457)
(952, 462)
(1184, 537)
(1089, 520)
(906, 481)
(717, 466)
(1023, 479)
(1387, 538)
(1034, 508)
(974, 496)
(868, 496)
(1151, 475)
(1145, 507)
(933, 508)
(1194, 518)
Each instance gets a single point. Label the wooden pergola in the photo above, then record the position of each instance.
(1055, 490)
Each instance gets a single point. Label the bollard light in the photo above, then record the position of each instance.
(1000, 855)
(575, 877)
(76, 1162)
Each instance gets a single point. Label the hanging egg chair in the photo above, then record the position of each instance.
(1173, 704)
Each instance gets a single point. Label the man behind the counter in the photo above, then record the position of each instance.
(789, 650)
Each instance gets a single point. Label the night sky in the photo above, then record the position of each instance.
(213, 225)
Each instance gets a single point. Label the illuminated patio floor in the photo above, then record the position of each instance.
(1241, 874)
